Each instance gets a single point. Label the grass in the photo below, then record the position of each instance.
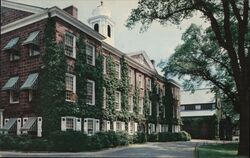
(217, 151)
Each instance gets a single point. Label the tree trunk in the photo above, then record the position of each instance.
(243, 149)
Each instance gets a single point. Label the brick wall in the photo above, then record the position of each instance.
(23, 67)
(10, 15)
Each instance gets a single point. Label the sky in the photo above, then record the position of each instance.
(159, 42)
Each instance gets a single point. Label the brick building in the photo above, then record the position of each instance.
(22, 47)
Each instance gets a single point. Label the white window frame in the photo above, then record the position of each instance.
(149, 84)
(74, 45)
(74, 125)
(104, 65)
(130, 74)
(119, 100)
(140, 81)
(141, 106)
(119, 69)
(93, 92)
(104, 97)
(74, 85)
(93, 54)
(11, 98)
(131, 103)
(150, 107)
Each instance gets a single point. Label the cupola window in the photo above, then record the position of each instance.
(96, 27)
(109, 31)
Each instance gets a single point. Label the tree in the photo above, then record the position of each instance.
(226, 11)
(200, 59)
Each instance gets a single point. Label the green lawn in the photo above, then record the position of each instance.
(217, 151)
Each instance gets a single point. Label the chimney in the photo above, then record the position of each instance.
(72, 11)
(153, 62)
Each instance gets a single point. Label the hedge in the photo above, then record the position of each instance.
(72, 141)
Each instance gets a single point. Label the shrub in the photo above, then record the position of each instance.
(152, 137)
(168, 136)
(68, 141)
(140, 138)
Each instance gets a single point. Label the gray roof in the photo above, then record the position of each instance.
(11, 44)
(9, 124)
(30, 81)
(200, 96)
(11, 83)
(29, 123)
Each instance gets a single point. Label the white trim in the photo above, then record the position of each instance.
(1, 118)
(93, 54)
(22, 7)
(93, 92)
(119, 100)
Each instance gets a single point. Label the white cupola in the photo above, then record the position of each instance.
(102, 22)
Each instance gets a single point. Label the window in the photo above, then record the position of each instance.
(109, 31)
(207, 106)
(90, 127)
(70, 81)
(33, 50)
(30, 95)
(90, 92)
(140, 82)
(149, 84)
(69, 123)
(150, 108)
(198, 107)
(130, 103)
(182, 108)
(104, 97)
(141, 106)
(96, 27)
(117, 70)
(120, 126)
(14, 97)
(90, 54)
(157, 110)
(157, 89)
(105, 125)
(130, 75)
(117, 100)
(164, 112)
(14, 56)
(104, 65)
(131, 127)
(189, 107)
(69, 45)
(151, 128)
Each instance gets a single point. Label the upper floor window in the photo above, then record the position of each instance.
(140, 81)
(117, 70)
(117, 100)
(90, 92)
(90, 54)
(130, 103)
(141, 106)
(14, 97)
(109, 31)
(149, 84)
(70, 86)
(104, 97)
(130, 75)
(96, 27)
(33, 43)
(150, 108)
(12, 48)
(69, 45)
(157, 110)
(104, 65)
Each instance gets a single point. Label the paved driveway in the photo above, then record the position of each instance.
(168, 149)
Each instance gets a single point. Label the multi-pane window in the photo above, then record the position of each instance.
(130, 103)
(140, 82)
(69, 45)
(14, 97)
(141, 106)
(149, 84)
(118, 100)
(189, 107)
(90, 92)
(118, 126)
(90, 126)
(130, 75)
(90, 54)
(206, 106)
(150, 108)
(104, 97)
(70, 86)
(69, 123)
(117, 70)
(131, 127)
(33, 50)
(104, 65)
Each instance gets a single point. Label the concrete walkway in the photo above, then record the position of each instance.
(157, 149)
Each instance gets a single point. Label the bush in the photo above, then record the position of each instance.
(140, 138)
(168, 136)
(68, 141)
(152, 137)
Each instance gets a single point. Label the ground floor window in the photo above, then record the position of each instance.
(91, 126)
(151, 128)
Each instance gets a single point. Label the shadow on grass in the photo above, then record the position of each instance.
(217, 151)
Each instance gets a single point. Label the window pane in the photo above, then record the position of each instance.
(69, 123)
(90, 126)
(89, 92)
(90, 54)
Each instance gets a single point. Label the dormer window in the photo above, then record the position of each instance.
(96, 27)
(109, 31)
(12, 48)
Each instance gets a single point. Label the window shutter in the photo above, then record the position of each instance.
(108, 125)
(97, 125)
(39, 126)
(114, 126)
(6, 120)
(160, 128)
(136, 126)
(63, 123)
(123, 126)
(78, 124)
(25, 119)
(129, 128)
(153, 128)
(18, 126)
(85, 126)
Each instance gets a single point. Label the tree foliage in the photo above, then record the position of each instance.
(223, 15)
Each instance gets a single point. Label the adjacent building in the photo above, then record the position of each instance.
(200, 113)
(137, 102)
